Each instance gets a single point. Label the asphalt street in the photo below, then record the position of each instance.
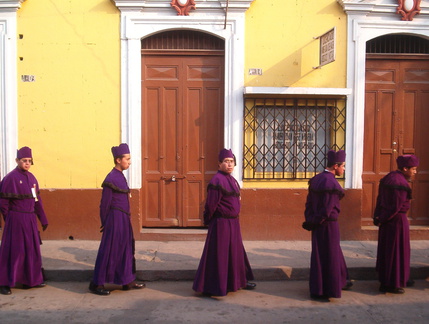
(175, 302)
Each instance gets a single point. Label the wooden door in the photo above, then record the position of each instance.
(182, 133)
(396, 117)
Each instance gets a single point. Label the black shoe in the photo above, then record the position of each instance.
(38, 286)
(205, 294)
(133, 285)
(250, 286)
(410, 283)
(319, 297)
(98, 290)
(392, 290)
(348, 286)
(5, 290)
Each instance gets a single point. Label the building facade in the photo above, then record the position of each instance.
(179, 79)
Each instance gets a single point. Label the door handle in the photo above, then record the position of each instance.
(173, 178)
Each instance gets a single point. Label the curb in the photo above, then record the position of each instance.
(261, 274)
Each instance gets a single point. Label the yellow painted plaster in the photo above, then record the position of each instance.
(70, 114)
(280, 41)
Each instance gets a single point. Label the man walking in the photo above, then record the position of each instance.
(115, 261)
(224, 266)
(21, 206)
(328, 271)
(393, 202)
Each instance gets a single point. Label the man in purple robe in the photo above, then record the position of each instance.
(328, 270)
(224, 265)
(115, 259)
(21, 206)
(393, 202)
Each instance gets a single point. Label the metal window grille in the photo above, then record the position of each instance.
(182, 40)
(289, 138)
(397, 44)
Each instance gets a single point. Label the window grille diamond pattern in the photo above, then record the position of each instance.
(289, 138)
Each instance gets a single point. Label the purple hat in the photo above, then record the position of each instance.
(24, 152)
(120, 150)
(336, 157)
(407, 161)
(224, 153)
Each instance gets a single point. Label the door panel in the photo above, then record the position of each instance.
(395, 125)
(180, 95)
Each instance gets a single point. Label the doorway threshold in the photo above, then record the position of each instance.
(417, 233)
(172, 234)
(173, 230)
(412, 228)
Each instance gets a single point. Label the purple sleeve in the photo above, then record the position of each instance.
(106, 200)
(323, 199)
(324, 208)
(212, 201)
(38, 204)
(390, 203)
(40, 212)
(4, 207)
(308, 207)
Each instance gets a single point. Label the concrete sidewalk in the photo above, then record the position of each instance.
(73, 260)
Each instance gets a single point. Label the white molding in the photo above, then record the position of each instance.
(297, 91)
(142, 18)
(378, 7)
(10, 5)
(8, 84)
(367, 19)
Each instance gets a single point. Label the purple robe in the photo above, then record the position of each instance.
(224, 265)
(20, 257)
(393, 251)
(328, 271)
(115, 259)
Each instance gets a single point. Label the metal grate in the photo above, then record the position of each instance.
(289, 138)
(397, 44)
(182, 40)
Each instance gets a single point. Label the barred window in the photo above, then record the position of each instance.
(288, 138)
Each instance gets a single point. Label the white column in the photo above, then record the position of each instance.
(8, 84)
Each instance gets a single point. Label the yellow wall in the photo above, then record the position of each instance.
(70, 115)
(279, 40)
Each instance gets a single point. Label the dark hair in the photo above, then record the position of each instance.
(235, 161)
(332, 164)
(118, 157)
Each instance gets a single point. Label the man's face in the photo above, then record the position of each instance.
(24, 163)
(227, 165)
(339, 169)
(124, 162)
(409, 173)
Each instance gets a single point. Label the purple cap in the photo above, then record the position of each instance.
(407, 161)
(24, 152)
(224, 153)
(120, 150)
(336, 157)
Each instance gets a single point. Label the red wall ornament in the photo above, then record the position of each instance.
(183, 6)
(408, 9)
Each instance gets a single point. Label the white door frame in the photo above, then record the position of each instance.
(367, 20)
(142, 18)
(8, 85)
